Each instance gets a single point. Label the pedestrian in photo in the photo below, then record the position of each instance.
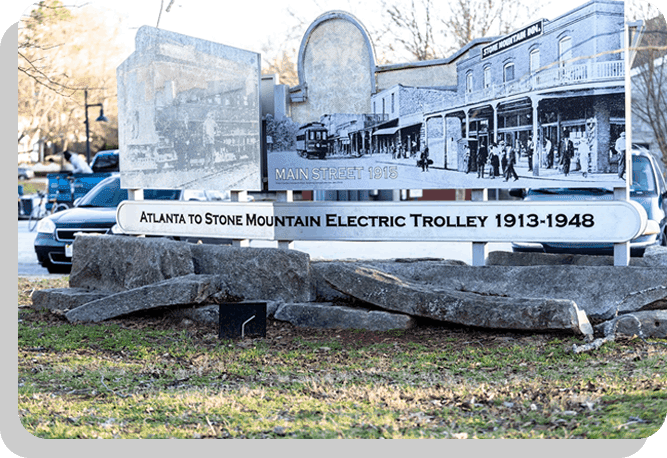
(503, 160)
(619, 146)
(482, 156)
(510, 172)
(566, 152)
(495, 161)
(584, 153)
(467, 166)
(530, 150)
(424, 160)
(549, 153)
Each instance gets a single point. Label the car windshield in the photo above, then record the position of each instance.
(108, 193)
(643, 180)
(105, 162)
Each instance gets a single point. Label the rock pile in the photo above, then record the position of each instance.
(534, 292)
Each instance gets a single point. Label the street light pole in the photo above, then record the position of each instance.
(100, 118)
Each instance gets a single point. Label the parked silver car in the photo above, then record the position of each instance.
(26, 173)
(647, 189)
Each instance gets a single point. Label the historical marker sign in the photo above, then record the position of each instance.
(189, 114)
(389, 221)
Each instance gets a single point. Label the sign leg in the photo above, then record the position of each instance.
(622, 250)
(622, 254)
(479, 249)
(285, 196)
(240, 196)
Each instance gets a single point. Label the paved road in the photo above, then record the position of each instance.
(27, 260)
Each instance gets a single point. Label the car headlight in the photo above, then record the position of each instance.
(46, 226)
(652, 227)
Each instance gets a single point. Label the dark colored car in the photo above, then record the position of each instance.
(105, 161)
(647, 189)
(94, 213)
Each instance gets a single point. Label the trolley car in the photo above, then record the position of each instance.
(312, 141)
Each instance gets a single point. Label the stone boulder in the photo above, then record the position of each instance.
(419, 270)
(506, 258)
(646, 324)
(327, 315)
(187, 289)
(598, 290)
(115, 264)
(488, 310)
(64, 299)
(257, 273)
(656, 255)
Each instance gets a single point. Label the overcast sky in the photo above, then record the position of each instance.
(246, 24)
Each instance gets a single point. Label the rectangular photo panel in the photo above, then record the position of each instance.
(540, 107)
(189, 114)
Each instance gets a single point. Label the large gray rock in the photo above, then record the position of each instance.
(647, 324)
(648, 299)
(327, 315)
(598, 290)
(419, 270)
(188, 289)
(656, 255)
(506, 258)
(488, 310)
(114, 263)
(64, 299)
(257, 273)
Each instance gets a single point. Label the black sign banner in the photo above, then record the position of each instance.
(531, 31)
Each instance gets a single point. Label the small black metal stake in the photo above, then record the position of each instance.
(238, 319)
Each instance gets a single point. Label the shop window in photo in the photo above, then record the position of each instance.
(487, 76)
(508, 73)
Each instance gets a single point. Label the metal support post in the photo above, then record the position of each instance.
(239, 196)
(621, 250)
(136, 194)
(285, 196)
(479, 249)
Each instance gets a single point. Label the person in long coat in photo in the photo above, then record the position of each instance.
(495, 161)
(509, 171)
(566, 152)
(548, 153)
(619, 146)
(530, 151)
(482, 155)
(424, 160)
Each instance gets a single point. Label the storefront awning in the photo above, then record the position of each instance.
(387, 131)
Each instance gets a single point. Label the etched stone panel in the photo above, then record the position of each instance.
(189, 114)
(336, 68)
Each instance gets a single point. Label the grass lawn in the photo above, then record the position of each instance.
(160, 376)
